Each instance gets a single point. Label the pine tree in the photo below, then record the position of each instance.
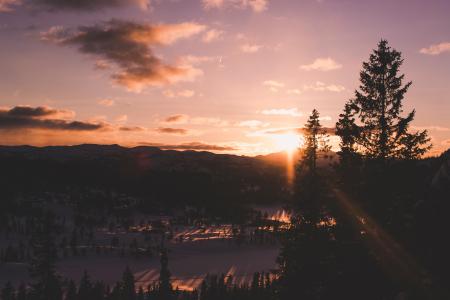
(307, 245)
(382, 131)
(165, 287)
(128, 288)
(71, 293)
(22, 292)
(315, 142)
(349, 158)
(8, 292)
(47, 284)
(85, 287)
(308, 191)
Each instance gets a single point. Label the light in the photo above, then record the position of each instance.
(287, 142)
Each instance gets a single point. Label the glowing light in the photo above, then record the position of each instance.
(287, 142)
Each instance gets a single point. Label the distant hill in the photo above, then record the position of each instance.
(164, 176)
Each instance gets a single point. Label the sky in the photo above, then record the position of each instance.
(228, 76)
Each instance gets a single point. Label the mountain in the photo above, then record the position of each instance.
(164, 176)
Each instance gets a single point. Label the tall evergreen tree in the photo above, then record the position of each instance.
(164, 285)
(315, 142)
(7, 292)
(307, 246)
(378, 104)
(85, 287)
(128, 285)
(349, 158)
(47, 284)
(308, 188)
(71, 293)
(22, 292)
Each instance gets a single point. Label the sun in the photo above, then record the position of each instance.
(287, 142)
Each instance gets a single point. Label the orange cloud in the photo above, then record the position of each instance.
(127, 46)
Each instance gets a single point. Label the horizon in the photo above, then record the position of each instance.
(227, 76)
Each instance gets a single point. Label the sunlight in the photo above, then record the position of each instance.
(287, 142)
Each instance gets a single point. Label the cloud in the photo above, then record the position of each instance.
(212, 35)
(192, 146)
(131, 128)
(294, 92)
(203, 121)
(252, 124)
(8, 5)
(431, 128)
(106, 102)
(273, 85)
(26, 117)
(293, 112)
(216, 122)
(272, 131)
(102, 65)
(325, 118)
(178, 119)
(322, 64)
(128, 46)
(121, 119)
(77, 5)
(168, 130)
(183, 93)
(436, 49)
(250, 48)
(254, 5)
(319, 86)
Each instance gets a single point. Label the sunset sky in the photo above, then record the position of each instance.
(229, 76)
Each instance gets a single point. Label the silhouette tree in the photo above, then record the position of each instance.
(382, 132)
(308, 245)
(128, 288)
(309, 190)
(164, 285)
(349, 158)
(71, 293)
(85, 288)
(8, 292)
(47, 285)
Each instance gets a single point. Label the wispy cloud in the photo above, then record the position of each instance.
(197, 121)
(253, 124)
(431, 128)
(121, 119)
(320, 86)
(274, 85)
(127, 45)
(322, 64)
(212, 35)
(436, 49)
(77, 5)
(294, 92)
(182, 93)
(177, 119)
(293, 112)
(169, 130)
(106, 102)
(250, 48)
(8, 5)
(131, 128)
(255, 5)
